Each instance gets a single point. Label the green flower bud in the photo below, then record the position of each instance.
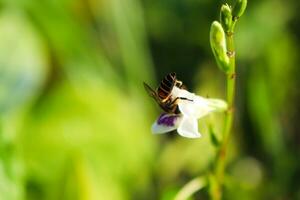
(218, 45)
(226, 17)
(239, 8)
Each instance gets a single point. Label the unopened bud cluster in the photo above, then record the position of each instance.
(226, 17)
(239, 9)
(219, 31)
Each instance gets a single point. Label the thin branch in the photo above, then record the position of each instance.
(191, 187)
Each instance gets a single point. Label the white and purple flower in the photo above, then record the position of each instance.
(191, 110)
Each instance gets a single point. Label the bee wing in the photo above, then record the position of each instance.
(149, 90)
(188, 127)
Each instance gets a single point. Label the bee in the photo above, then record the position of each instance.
(163, 94)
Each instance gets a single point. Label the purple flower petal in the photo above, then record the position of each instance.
(167, 120)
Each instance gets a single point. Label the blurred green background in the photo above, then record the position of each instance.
(75, 119)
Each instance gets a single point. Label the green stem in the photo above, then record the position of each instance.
(221, 156)
(190, 188)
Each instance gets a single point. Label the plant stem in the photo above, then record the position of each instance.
(190, 188)
(221, 156)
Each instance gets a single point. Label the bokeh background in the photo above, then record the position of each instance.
(75, 119)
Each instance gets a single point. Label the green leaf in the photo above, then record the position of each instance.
(213, 137)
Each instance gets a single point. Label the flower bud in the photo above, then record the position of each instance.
(226, 17)
(239, 8)
(218, 45)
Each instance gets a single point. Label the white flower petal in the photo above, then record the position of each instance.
(166, 123)
(217, 104)
(177, 92)
(160, 129)
(201, 106)
(188, 128)
(197, 108)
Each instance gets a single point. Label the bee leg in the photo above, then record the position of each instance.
(183, 98)
(172, 105)
(176, 110)
(178, 83)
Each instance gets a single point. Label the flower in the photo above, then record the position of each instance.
(191, 110)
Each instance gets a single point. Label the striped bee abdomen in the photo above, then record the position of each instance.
(166, 86)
